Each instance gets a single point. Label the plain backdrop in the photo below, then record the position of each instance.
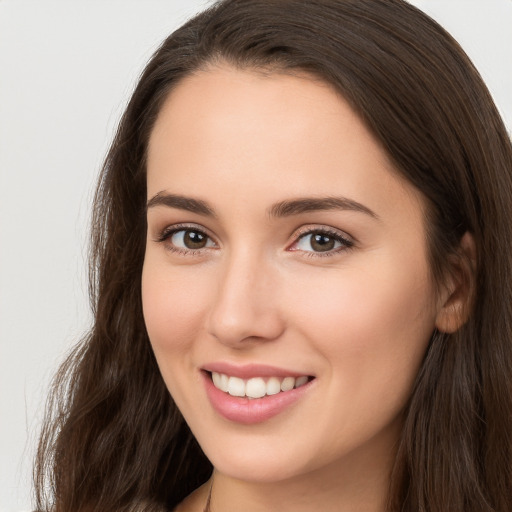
(66, 71)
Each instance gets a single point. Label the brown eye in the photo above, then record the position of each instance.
(194, 240)
(191, 239)
(322, 242)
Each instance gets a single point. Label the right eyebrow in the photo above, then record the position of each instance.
(181, 202)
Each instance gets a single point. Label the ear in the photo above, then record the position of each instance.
(457, 295)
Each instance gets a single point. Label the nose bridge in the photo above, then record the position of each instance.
(244, 305)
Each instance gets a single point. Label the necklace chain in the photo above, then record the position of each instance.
(208, 499)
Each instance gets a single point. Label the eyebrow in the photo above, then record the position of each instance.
(181, 202)
(311, 204)
(285, 208)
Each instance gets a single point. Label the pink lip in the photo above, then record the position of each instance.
(250, 411)
(249, 371)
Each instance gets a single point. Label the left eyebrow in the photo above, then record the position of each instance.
(311, 204)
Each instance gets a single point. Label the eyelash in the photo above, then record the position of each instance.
(170, 231)
(346, 243)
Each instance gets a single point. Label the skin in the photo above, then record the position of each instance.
(356, 318)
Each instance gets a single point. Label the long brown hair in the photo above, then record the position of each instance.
(114, 439)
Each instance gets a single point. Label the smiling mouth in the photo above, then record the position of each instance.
(256, 387)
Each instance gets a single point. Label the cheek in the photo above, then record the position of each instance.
(173, 303)
(371, 323)
(372, 332)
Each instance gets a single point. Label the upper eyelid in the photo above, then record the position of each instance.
(319, 228)
(174, 228)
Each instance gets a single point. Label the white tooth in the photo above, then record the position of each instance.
(300, 381)
(273, 386)
(255, 388)
(216, 379)
(288, 383)
(236, 386)
(224, 382)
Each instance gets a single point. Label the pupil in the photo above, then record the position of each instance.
(194, 240)
(322, 243)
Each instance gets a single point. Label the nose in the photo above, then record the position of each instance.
(245, 305)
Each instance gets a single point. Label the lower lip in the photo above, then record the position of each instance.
(249, 411)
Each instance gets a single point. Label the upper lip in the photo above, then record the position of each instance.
(248, 371)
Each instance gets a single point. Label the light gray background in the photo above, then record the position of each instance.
(66, 70)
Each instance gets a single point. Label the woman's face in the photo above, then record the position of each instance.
(282, 251)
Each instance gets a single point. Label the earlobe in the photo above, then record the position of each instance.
(451, 317)
(457, 297)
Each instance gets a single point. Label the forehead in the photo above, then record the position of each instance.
(268, 136)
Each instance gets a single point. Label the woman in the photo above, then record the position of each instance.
(302, 276)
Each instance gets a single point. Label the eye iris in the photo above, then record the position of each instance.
(321, 242)
(194, 240)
